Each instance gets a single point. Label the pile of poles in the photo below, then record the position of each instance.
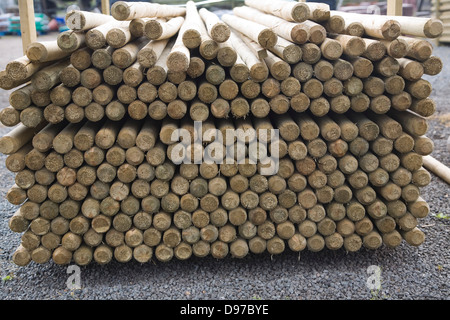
(113, 122)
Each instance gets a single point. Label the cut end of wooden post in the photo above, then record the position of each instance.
(36, 51)
(67, 41)
(414, 237)
(355, 47)
(259, 72)
(147, 57)
(375, 51)
(208, 49)
(391, 30)
(95, 39)
(336, 24)
(16, 70)
(153, 29)
(437, 167)
(398, 48)
(300, 12)
(422, 50)
(220, 32)
(75, 20)
(433, 28)
(267, 39)
(116, 37)
(317, 34)
(355, 29)
(120, 10)
(299, 34)
(177, 62)
(292, 54)
(192, 38)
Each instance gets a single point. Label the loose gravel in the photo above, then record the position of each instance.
(406, 272)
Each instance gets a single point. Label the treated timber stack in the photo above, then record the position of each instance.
(99, 175)
(441, 10)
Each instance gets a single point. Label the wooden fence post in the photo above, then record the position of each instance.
(106, 7)
(27, 23)
(394, 7)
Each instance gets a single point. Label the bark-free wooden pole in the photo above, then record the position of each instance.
(418, 26)
(191, 29)
(21, 256)
(27, 25)
(257, 68)
(295, 32)
(179, 55)
(335, 24)
(48, 77)
(226, 55)
(71, 40)
(22, 68)
(96, 37)
(70, 76)
(286, 10)
(150, 53)
(137, 26)
(208, 47)
(18, 137)
(7, 83)
(319, 12)
(397, 48)
(81, 58)
(125, 56)
(257, 49)
(288, 51)
(156, 29)
(351, 45)
(20, 98)
(255, 31)
(118, 36)
(351, 28)
(376, 26)
(217, 30)
(45, 51)
(412, 123)
(437, 168)
(9, 116)
(83, 20)
(432, 66)
(122, 10)
(410, 70)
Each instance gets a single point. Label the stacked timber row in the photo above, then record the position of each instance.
(336, 103)
(441, 10)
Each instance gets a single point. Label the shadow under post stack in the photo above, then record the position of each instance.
(95, 111)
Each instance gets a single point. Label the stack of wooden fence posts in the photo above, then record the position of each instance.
(95, 111)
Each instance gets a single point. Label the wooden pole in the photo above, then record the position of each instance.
(255, 31)
(218, 30)
(84, 20)
(394, 7)
(27, 23)
(438, 168)
(289, 11)
(106, 7)
(122, 10)
(380, 27)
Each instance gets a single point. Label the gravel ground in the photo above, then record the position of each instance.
(406, 272)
